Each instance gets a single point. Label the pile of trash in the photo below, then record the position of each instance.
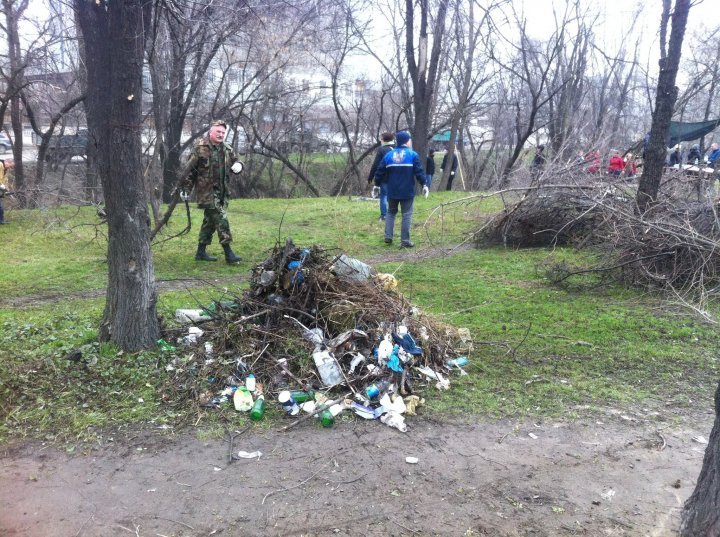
(319, 333)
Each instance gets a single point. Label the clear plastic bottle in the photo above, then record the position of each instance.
(250, 382)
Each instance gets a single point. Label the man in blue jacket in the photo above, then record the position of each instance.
(713, 157)
(398, 169)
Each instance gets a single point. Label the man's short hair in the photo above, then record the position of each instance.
(217, 122)
(387, 137)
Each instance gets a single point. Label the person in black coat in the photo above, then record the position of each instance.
(387, 143)
(430, 167)
(453, 169)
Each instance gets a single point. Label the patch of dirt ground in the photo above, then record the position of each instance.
(606, 477)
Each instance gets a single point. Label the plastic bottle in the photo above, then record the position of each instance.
(250, 382)
(375, 389)
(242, 399)
(258, 409)
(302, 396)
(457, 362)
(326, 418)
(288, 403)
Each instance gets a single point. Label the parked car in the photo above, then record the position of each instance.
(63, 147)
(303, 142)
(5, 144)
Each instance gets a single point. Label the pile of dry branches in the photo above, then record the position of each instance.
(296, 296)
(674, 246)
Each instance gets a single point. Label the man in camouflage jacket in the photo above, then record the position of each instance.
(208, 169)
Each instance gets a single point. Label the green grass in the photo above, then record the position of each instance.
(540, 350)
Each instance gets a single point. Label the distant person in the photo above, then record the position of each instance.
(430, 167)
(397, 170)
(387, 142)
(616, 166)
(538, 162)
(713, 156)
(694, 155)
(5, 167)
(208, 171)
(594, 161)
(630, 166)
(675, 157)
(453, 169)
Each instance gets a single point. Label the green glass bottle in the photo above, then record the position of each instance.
(258, 409)
(326, 418)
(302, 396)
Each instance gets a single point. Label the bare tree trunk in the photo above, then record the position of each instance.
(113, 38)
(13, 11)
(667, 93)
(424, 70)
(701, 515)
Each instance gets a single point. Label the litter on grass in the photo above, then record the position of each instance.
(314, 327)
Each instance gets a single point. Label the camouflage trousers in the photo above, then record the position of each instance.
(215, 220)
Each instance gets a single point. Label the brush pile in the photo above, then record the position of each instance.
(314, 328)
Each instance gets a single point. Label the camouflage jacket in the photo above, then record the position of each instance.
(208, 170)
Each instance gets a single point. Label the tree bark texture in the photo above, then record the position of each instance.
(667, 93)
(113, 39)
(701, 515)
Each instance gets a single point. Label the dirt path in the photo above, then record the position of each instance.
(394, 255)
(607, 477)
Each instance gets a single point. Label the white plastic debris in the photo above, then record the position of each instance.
(533, 436)
(411, 460)
(385, 349)
(397, 406)
(308, 406)
(393, 419)
(351, 268)
(328, 368)
(608, 494)
(700, 439)
(356, 361)
(190, 316)
(249, 455)
(427, 372)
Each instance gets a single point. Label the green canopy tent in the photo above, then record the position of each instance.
(685, 132)
(682, 132)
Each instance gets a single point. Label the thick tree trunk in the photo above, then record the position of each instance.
(701, 516)
(665, 99)
(112, 34)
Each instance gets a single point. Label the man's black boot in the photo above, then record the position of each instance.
(230, 256)
(202, 255)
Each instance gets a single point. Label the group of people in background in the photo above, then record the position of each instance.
(694, 156)
(393, 173)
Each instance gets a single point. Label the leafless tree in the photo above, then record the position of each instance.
(14, 78)
(529, 72)
(113, 40)
(423, 61)
(665, 99)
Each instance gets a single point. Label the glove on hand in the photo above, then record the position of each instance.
(375, 191)
(184, 195)
(426, 191)
(237, 167)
